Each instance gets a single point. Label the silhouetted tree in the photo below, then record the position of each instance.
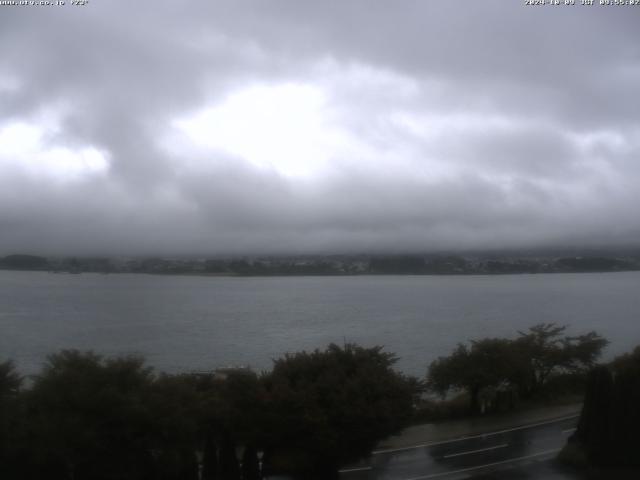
(11, 419)
(10, 380)
(543, 351)
(332, 406)
(89, 419)
(486, 363)
(250, 470)
(610, 420)
(174, 407)
(525, 363)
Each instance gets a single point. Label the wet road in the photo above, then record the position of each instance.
(515, 449)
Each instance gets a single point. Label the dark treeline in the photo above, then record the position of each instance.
(543, 363)
(608, 433)
(495, 373)
(89, 417)
(331, 265)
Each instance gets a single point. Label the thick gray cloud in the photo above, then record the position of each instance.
(287, 126)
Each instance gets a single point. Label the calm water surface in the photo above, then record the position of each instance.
(182, 323)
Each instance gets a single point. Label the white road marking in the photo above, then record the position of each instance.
(469, 452)
(358, 469)
(569, 430)
(498, 432)
(463, 470)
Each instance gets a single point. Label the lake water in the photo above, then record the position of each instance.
(183, 323)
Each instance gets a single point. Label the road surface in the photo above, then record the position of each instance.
(520, 451)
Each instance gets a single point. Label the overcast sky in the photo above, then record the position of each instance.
(171, 127)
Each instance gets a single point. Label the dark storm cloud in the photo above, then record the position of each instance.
(427, 125)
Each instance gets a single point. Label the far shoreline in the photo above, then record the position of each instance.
(339, 275)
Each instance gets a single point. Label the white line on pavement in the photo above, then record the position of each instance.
(469, 452)
(480, 435)
(454, 472)
(569, 430)
(358, 469)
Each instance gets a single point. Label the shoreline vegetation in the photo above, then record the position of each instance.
(607, 433)
(84, 416)
(335, 265)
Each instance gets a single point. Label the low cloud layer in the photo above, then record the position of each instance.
(287, 126)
